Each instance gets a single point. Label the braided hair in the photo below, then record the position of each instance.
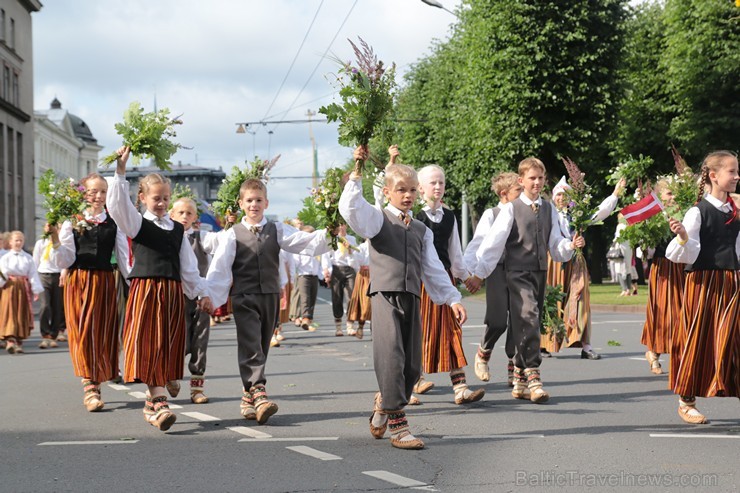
(148, 181)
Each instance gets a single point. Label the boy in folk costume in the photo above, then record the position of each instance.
(249, 256)
(358, 308)
(340, 269)
(402, 255)
(51, 315)
(579, 330)
(286, 287)
(507, 188)
(18, 279)
(526, 229)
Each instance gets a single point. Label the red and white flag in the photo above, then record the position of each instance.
(643, 209)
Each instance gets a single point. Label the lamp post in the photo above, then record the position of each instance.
(435, 3)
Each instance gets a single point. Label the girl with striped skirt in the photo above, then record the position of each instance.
(705, 357)
(286, 286)
(665, 289)
(164, 269)
(19, 286)
(442, 349)
(90, 294)
(358, 308)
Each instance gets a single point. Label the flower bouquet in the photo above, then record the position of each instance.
(633, 170)
(552, 325)
(649, 233)
(366, 91)
(326, 201)
(227, 202)
(63, 200)
(148, 135)
(683, 185)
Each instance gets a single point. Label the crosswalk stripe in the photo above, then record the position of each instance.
(312, 452)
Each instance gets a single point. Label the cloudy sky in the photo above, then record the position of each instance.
(221, 62)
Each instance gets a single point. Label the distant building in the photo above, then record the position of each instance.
(16, 110)
(63, 142)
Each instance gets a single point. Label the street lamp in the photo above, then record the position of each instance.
(435, 3)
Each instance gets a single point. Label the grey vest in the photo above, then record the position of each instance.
(395, 256)
(256, 268)
(526, 247)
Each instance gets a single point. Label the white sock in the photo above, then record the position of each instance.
(379, 419)
(586, 347)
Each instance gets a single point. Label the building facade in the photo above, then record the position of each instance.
(16, 110)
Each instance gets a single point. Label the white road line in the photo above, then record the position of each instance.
(174, 406)
(200, 416)
(250, 432)
(92, 442)
(115, 386)
(638, 359)
(690, 435)
(312, 452)
(138, 395)
(290, 439)
(478, 437)
(466, 326)
(328, 302)
(612, 322)
(394, 478)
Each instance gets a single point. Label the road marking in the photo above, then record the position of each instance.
(690, 435)
(352, 360)
(137, 394)
(477, 326)
(312, 452)
(328, 302)
(638, 359)
(250, 432)
(92, 442)
(174, 406)
(611, 322)
(478, 437)
(395, 479)
(290, 439)
(200, 416)
(115, 386)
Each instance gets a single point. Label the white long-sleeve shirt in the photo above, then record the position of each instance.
(129, 221)
(290, 239)
(45, 264)
(481, 230)
(342, 257)
(688, 253)
(367, 220)
(20, 264)
(307, 265)
(454, 247)
(606, 207)
(492, 247)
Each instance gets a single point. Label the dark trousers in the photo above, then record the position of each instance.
(396, 346)
(51, 316)
(497, 312)
(254, 315)
(196, 341)
(526, 300)
(308, 289)
(342, 284)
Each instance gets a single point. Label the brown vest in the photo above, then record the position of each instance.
(257, 261)
(526, 247)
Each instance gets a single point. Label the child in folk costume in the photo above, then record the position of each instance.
(90, 291)
(19, 287)
(578, 328)
(249, 255)
(287, 270)
(358, 308)
(51, 315)
(204, 243)
(705, 355)
(442, 348)
(665, 291)
(164, 269)
(308, 270)
(340, 269)
(507, 188)
(402, 255)
(526, 229)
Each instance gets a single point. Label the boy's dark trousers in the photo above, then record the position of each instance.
(196, 341)
(526, 300)
(342, 284)
(497, 309)
(254, 315)
(51, 316)
(308, 287)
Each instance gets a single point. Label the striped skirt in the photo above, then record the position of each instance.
(154, 332)
(665, 289)
(284, 316)
(705, 352)
(441, 337)
(16, 316)
(91, 311)
(558, 274)
(358, 309)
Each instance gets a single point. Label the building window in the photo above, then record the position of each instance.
(16, 90)
(6, 82)
(2, 24)
(12, 33)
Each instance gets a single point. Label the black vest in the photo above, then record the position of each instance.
(94, 247)
(157, 251)
(256, 267)
(717, 240)
(442, 233)
(200, 252)
(527, 244)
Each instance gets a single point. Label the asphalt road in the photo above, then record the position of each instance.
(610, 425)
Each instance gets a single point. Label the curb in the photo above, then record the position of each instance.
(618, 308)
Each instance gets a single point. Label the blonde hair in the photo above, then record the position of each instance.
(503, 182)
(307, 228)
(397, 172)
(92, 176)
(427, 170)
(16, 233)
(252, 184)
(185, 200)
(714, 161)
(529, 163)
(146, 183)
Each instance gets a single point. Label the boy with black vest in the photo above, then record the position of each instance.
(249, 255)
(525, 229)
(402, 255)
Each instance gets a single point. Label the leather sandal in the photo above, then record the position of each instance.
(691, 415)
(378, 431)
(413, 444)
(654, 363)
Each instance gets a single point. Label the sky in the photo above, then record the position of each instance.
(220, 62)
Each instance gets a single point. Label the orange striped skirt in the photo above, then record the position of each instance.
(441, 337)
(16, 317)
(665, 289)
(154, 332)
(358, 309)
(558, 274)
(705, 352)
(285, 305)
(91, 311)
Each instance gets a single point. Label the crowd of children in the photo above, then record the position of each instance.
(402, 278)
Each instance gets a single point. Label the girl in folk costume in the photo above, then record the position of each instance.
(164, 269)
(358, 308)
(18, 279)
(90, 294)
(442, 349)
(578, 333)
(665, 291)
(705, 353)
(287, 270)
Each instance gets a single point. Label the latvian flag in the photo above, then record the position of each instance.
(642, 210)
